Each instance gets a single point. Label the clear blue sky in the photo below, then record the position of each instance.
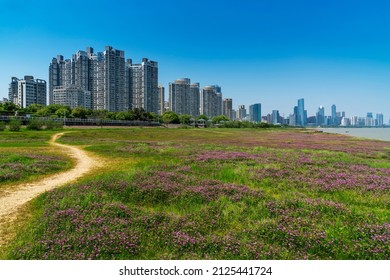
(267, 51)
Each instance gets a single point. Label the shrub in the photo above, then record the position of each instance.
(14, 125)
(2, 126)
(35, 124)
(52, 124)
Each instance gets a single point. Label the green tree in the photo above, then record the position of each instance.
(63, 112)
(219, 119)
(185, 119)
(79, 112)
(14, 125)
(170, 117)
(33, 108)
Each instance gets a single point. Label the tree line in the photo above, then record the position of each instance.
(137, 114)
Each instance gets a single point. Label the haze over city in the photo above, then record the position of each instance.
(268, 52)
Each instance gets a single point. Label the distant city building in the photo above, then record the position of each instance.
(179, 91)
(321, 116)
(27, 91)
(143, 85)
(72, 96)
(161, 100)
(228, 108)
(275, 117)
(115, 85)
(255, 113)
(241, 112)
(334, 116)
(379, 120)
(193, 100)
(301, 113)
(211, 101)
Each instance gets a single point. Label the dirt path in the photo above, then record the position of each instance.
(22, 193)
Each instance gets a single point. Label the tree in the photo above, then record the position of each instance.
(63, 112)
(185, 119)
(203, 117)
(219, 119)
(79, 112)
(33, 108)
(9, 107)
(170, 117)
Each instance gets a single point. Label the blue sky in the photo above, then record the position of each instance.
(267, 51)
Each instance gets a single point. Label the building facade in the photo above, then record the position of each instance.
(210, 102)
(114, 84)
(228, 108)
(255, 113)
(27, 91)
(72, 96)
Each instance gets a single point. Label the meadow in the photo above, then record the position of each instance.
(26, 156)
(216, 194)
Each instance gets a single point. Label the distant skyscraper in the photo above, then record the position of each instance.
(179, 93)
(275, 117)
(113, 84)
(27, 91)
(228, 108)
(193, 101)
(301, 113)
(379, 120)
(255, 113)
(143, 85)
(241, 112)
(72, 96)
(321, 116)
(161, 99)
(210, 102)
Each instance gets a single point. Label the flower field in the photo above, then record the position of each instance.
(217, 194)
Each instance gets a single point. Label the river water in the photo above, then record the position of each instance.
(371, 133)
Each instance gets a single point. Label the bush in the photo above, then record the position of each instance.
(52, 124)
(2, 126)
(14, 125)
(35, 124)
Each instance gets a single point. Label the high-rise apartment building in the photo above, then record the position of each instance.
(193, 101)
(114, 85)
(379, 120)
(228, 108)
(143, 85)
(321, 116)
(211, 101)
(72, 96)
(255, 113)
(241, 112)
(27, 91)
(275, 117)
(179, 94)
(301, 113)
(161, 100)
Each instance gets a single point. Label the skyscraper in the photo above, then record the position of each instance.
(161, 99)
(193, 101)
(143, 85)
(379, 120)
(113, 84)
(321, 116)
(334, 117)
(211, 101)
(179, 94)
(275, 117)
(27, 91)
(255, 113)
(241, 112)
(301, 113)
(228, 108)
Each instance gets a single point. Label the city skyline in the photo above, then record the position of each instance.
(268, 53)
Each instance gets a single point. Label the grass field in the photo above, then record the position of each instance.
(216, 194)
(26, 156)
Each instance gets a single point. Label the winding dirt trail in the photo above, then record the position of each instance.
(22, 193)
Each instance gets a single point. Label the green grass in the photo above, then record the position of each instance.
(216, 194)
